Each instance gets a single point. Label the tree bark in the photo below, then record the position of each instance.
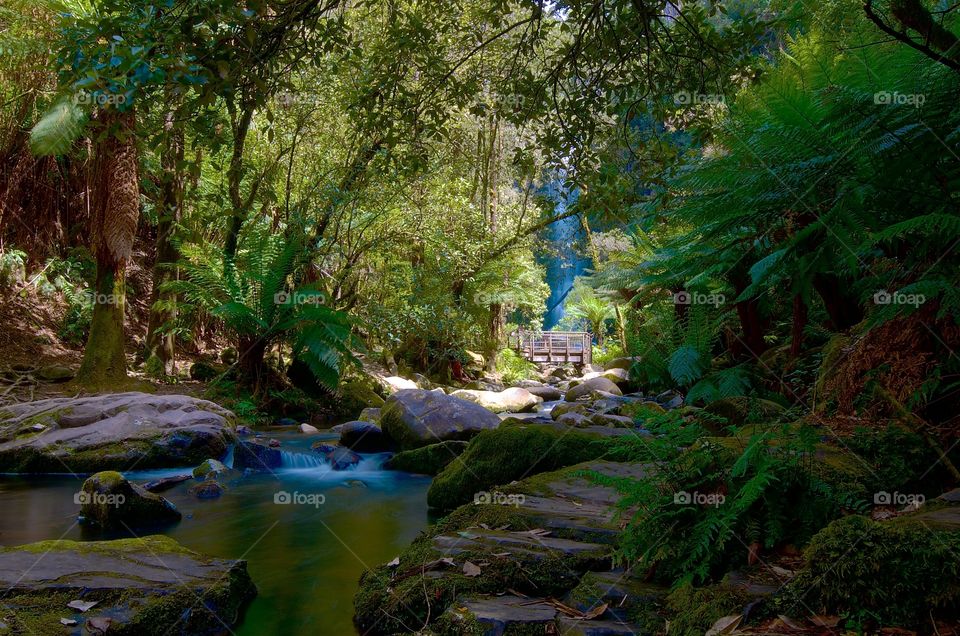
(799, 324)
(844, 312)
(165, 269)
(113, 223)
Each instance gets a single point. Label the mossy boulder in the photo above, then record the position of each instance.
(585, 389)
(108, 500)
(415, 418)
(210, 467)
(902, 572)
(693, 611)
(357, 394)
(563, 408)
(509, 453)
(113, 432)
(428, 460)
(203, 371)
(147, 586)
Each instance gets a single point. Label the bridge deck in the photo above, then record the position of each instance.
(554, 346)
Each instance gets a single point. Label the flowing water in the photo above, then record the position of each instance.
(305, 556)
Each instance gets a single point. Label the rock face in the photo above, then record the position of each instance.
(149, 585)
(585, 388)
(209, 467)
(108, 500)
(112, 432)
(364, 437)
(418, 418)
(515, 400)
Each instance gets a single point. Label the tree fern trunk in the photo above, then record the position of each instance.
(799, 324)
(113, 224)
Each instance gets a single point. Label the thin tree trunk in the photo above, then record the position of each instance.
(113, 224)
(799, 323)
(165, 269)
(844, 311)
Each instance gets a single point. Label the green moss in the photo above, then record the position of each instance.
(508, 453)
(428, 460)
(900, 572)
(695, 610)
(744, 410)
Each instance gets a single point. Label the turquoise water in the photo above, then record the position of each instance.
(305, 558)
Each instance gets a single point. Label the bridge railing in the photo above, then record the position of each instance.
(553, 346)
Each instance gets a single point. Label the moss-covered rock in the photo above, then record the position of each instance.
(209, 467)
(693, 611)
(901, 572)
(147, 586)
(357, 394)
(415, 418)
(428, 460)
(108, 500)
(113, 432)
(511, 452)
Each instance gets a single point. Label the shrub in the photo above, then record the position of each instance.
(610, 351)
(900, 572)
(514, 367)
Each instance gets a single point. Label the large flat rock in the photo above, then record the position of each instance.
(119, 431)
(149, 585)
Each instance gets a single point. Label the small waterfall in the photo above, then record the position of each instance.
(302, 460)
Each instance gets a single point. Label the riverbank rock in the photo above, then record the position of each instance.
(428, 460)
(418, 418)
(511, 452)
(395, 383)
(108, 500)
(117, 431)
(584, 389)
(536, 539)
(256, 457)
(150, 585)
(515, 400)
(364, 437)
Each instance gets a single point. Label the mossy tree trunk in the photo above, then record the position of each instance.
(159, 345)
(114, 214)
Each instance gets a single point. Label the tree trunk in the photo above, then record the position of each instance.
(251, 360)
(113, 223)
(844, 312)
(752, 322)
(799, 323)
(165, 269)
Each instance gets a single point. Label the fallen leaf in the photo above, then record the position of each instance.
(595, 612)
(725, 625)
(69, 622)
(82, 606)
(469, 569)
(99, 625)
(825, 621)
(394, 563)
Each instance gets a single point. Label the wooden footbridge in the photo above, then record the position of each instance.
(553, 346)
